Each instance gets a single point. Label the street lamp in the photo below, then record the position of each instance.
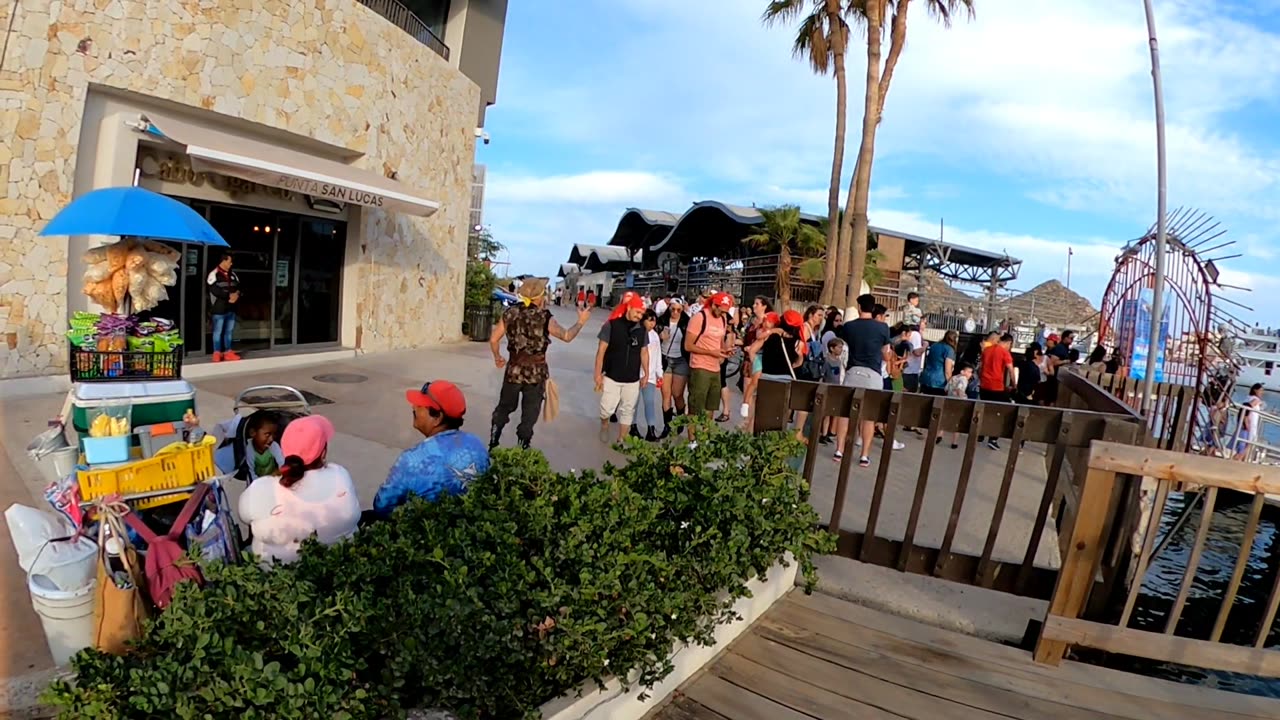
(1157, 292)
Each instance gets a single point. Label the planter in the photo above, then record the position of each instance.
(612, 702)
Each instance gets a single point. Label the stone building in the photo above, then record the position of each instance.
(331, 142)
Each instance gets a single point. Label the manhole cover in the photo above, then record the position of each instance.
(340, 378)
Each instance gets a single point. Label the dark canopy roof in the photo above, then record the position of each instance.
(597, 258)
(714, 229)
(640, 229)
(567, 269)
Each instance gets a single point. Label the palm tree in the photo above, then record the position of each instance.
(822, 38)
(783, 232)
(875, 15)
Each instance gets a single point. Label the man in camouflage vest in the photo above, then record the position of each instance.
(528, 327)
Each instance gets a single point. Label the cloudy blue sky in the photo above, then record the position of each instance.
(1029, 130)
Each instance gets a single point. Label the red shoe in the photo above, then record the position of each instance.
(230, 356)
(217, 357)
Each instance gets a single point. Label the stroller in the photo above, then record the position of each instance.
(286, 403)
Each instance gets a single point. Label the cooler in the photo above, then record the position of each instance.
(153, 402)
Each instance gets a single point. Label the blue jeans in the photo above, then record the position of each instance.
(650, 408)
(222, 327)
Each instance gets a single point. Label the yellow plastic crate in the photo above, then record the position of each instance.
(169, 470)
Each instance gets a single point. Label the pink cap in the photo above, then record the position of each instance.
(307, 437)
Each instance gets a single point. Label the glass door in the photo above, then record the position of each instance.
(284, 280)
(321, 249)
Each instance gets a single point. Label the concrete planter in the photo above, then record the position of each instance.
(612, 702)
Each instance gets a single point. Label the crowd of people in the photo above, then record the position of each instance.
(654, 360)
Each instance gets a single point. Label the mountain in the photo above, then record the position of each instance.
(1052, 303)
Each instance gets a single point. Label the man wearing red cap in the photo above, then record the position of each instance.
(622, 364)
(706, 343)
(528, 328)
(447, 459)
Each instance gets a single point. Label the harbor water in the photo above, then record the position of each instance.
(1164, 578)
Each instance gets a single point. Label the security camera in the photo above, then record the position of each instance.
(487, 139)
(484, 136)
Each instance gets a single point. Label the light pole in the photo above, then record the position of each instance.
(1157, 293)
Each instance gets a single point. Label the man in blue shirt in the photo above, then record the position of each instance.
(445, 462)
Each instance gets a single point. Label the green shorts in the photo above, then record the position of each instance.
(704, 391)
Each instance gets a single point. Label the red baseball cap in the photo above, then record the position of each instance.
(1054, 337)
(439, 395)
(793, 318)
(307, 437)
(722, 299)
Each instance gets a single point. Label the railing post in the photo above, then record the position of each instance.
(1084, 553)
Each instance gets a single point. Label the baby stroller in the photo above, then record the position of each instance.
(286, 403)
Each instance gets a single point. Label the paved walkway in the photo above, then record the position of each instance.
(818, 657)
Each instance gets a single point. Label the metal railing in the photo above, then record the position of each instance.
(404, 18)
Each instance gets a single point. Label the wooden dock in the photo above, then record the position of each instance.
(819, 657)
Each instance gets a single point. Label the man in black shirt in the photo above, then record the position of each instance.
(868, 343)
(622, 365)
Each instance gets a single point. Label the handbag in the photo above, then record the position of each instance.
(119, 606)
(550, 401)
(167, 564)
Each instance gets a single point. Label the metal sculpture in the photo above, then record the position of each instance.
(1198, 316)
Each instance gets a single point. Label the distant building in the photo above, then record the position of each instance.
(477, 196)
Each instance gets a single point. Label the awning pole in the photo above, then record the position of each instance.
(1157, 294)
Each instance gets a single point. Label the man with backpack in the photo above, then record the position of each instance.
(705, 342)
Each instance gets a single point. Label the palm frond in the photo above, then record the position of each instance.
(945, 10)
(812, 269)
(781, 12)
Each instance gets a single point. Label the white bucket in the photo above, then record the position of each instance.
(67, 617)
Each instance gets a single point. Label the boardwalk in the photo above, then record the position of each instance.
(818, 657)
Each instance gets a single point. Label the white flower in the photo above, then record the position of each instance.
(693, 445)
(684, 524)
(764, 501)
(606, 662)
(673, 616)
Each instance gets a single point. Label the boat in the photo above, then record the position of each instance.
(1259, 356)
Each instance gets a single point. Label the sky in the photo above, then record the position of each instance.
(1028, 130)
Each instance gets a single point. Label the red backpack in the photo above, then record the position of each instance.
(166, 564)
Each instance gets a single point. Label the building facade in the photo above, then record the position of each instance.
(477, 197)
(331, 143)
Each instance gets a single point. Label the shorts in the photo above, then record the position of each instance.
(704, 391)
(1242, 442)
(911, 382)
(676, 366)
(620, 398)
(757, 365)
(865, 378)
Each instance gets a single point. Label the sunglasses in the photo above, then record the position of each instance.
(432, 411)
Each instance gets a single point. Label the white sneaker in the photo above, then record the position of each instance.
(745, 410)
(898, 446)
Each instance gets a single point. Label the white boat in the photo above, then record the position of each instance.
(1259, 357)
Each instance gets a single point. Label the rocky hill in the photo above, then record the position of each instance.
(1050, 302)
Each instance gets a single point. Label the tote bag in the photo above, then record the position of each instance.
(118, 610)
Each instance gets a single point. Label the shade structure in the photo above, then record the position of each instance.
(132, 211)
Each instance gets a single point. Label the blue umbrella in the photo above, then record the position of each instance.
(132, 211)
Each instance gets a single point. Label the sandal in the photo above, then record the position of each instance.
(722, 417)
(839, 456)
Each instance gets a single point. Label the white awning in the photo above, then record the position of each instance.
(274, 166)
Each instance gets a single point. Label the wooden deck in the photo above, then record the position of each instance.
(819, 657)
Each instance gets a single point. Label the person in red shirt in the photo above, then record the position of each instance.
(996, 376)
(582, 298)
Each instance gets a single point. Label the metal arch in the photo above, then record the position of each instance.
(1192, 279)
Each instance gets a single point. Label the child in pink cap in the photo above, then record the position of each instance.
(310, 496)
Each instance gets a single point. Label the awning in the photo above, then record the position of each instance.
(266, 164)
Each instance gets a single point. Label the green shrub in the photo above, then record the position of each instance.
(488, 604)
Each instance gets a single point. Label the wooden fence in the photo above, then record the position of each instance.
(1173, 420)
(1089, 413)
(1110, 464)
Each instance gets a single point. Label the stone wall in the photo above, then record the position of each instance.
(331, 70)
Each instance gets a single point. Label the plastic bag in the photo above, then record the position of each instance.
(48, 546)
(117, 417)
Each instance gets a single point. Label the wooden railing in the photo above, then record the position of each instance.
(1171, 424)
(1042, 494)
(1108, 464)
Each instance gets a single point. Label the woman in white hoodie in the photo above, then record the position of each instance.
(309, 497)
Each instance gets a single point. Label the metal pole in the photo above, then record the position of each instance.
(1157, 294)
(1069, 253)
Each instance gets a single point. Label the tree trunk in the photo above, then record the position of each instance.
(784, 278)
(854, 228)
(834, 249)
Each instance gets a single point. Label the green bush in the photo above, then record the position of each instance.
(488, 604)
